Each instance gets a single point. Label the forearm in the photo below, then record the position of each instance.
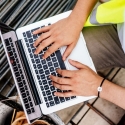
(81, 12)
(113, 93)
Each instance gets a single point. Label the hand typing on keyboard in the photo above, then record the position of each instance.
(62, 33)
(78, 82)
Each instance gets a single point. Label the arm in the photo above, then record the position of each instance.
(84, 82)
(66, 31)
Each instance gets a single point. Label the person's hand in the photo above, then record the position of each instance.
(81, 82)
(62, 33)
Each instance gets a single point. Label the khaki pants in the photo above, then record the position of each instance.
(104, 46)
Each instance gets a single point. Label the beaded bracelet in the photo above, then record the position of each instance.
(100, 87)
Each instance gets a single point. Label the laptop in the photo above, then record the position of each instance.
(31, 72)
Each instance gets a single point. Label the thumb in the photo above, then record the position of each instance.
(77, 64)
(68, 51)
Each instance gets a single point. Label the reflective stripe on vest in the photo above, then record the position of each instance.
(111, 12)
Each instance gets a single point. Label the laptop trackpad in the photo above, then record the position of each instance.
(80, 53)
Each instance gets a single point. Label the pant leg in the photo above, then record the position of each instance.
(104, 46)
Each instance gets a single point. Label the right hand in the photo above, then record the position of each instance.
(62, 33)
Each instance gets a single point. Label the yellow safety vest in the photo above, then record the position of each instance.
(112, 12)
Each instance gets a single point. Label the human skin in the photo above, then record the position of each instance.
(84, 81)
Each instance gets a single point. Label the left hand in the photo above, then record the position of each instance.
(82, 82)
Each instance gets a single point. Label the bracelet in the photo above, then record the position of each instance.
(100, 87)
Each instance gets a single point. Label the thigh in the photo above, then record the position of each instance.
(104, 46)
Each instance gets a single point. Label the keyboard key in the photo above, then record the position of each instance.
(48, 92)
(20, 84)
(24, 95)
(45, 67)
(31, 55)
(35, 36)
(28, 33)
(56, 65)
(25, 100)
(52, 88)
(10, 39)
(32, 110)
(48, 59)
(27, 44)
(25, 39)
(45, 98)
(24, 34)
(33, 50)
(17, 74)
(35, 56)
(37, 61)
(67, 98)
(41, 71)
(38, 77)
(51, 69)
(62, 99)
(56, 99)
(52, 103)
(53, 73)
(44, 94)
(50, 98)
(42, 76)
(54, 59)
(22, 76)
(29, 98)
(72, 97)
(50, 82)
(11, 45)
(10, 53)
(34, 65)
(59, 75)
(19, 79)
(14, 64)
(49, 63)
(25, 87)
(24, 83)
(15, 69)
(53, 54)
(40, 82)
(32, 60)
(28, 111)
(47, 104)
(36, 71)
(53, 93)
(31, 45)
(44, 82)
(22, 90)
(39, 66)
(27, 106)
(7, 42)
(42, 88)
(48, 77)
(27, 93)
(58, 90)
(9, 48)
(31, 104)
(29, 50)
(47, 72)
(46, 87)
(31, 41)
(43, 62)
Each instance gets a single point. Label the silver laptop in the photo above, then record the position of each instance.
(31, 72)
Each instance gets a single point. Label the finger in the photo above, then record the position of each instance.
(66, 94)
(43, 29)
(51, 50)
(68, 51)
(77, 64)
(60, 80)
(41, 38)
(62, 87)
(44, 44)
(65, 73)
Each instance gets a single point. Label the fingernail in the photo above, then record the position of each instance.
(55, 93)
(34, 44)
(35, 52)
(33, 32)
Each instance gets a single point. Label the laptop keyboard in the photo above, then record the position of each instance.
(19, 76)
(44, 67)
